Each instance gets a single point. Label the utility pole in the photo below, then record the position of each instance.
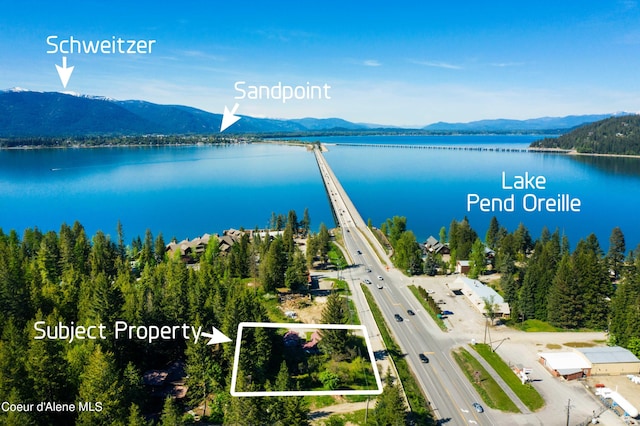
(568, 410)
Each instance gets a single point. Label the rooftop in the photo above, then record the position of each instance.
(608, 355)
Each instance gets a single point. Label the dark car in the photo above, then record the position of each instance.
(410, 312)
(423, 358)
(398, 318)
(447, 313)
(478, 407)
(359, 252)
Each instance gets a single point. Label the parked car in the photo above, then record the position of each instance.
(447, 313)
(423, 358)
(478, 407)
(398, 318)
(410, 312)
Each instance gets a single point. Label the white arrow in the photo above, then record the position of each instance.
(64, 72)
(229, 118)
(216, 336)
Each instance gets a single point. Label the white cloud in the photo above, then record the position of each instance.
(436, 64)
(507, 64)
(371, 63)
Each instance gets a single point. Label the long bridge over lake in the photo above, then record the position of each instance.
(457, 148)
(448, 392)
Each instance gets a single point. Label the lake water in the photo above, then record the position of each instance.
(187, 191)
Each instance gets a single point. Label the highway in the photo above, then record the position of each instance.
(448, 390)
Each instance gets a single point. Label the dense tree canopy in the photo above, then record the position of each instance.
(69, 278)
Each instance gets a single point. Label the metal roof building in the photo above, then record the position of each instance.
(611, 360)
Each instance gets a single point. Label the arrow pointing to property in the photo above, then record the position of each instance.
(216, 336)
(228, 118)
(64, 72)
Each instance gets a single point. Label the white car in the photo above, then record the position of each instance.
(380, 277)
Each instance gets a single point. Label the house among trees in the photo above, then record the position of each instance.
(188, 249)
(191, 250)
(480, 294)
(165, 383)
(312, 345)
(432, 245)
(292, 339)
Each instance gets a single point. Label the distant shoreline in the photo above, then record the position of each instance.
(247, 140)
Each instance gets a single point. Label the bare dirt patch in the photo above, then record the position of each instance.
(307, 309)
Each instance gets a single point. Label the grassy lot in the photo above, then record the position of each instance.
(489, 390)
(336, 257)
(420, 414)
(427, 308)
(355, 418)
(527, 393)
(533, 326)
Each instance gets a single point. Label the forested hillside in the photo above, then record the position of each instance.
(616, 135)
(70, 278)
(544, 279)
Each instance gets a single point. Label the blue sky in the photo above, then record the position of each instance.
(397, 63)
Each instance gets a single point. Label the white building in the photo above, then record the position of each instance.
(478, 293)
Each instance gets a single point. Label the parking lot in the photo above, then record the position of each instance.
(520, 349)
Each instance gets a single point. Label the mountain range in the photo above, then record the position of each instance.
(26, 113)
(533, 124)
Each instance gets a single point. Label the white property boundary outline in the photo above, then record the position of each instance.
(236, 358)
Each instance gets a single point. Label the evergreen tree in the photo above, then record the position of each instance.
(246, 411)
(146, 254)
(135, 416)
(273, 267)
(292, 221)
(510, 289)
(491, 238)
(297, 273)
(616, 253)
(595, 285)
(323, 242)
(443, 235)
(565, 301)
(523, 241)
(305, 223)
(461, 238)
(48, 258)
(14, 294)
(159, 248)
(477, 260)
(12, 361)
(624, 307)
(46, 366)
(171, 415)
(391, 409)
(122, 248)
(100, 383)
(334, 342)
